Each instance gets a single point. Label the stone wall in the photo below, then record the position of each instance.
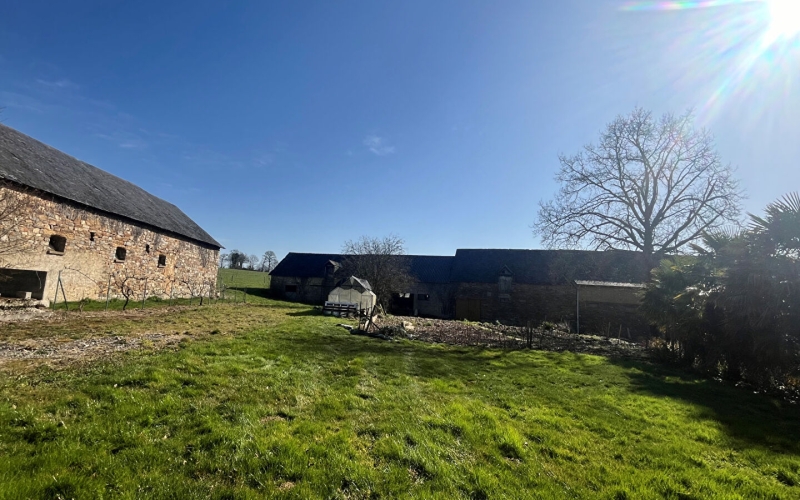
(306, 290)
(315, 291)
(606, 309)
(522, 303)
(433, 299)
(164, 263)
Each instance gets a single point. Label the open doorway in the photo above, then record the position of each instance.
(13, 281)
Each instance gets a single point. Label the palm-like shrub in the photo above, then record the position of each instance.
(734, 309)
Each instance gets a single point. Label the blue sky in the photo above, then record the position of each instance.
(294, 126)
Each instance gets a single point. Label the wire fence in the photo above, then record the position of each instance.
(126, 292)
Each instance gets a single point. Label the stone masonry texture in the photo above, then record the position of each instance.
(89, 262)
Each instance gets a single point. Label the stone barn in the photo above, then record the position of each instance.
(517, 286)
(305, 277)
(310, 277)
(101, 234)
(512, 286)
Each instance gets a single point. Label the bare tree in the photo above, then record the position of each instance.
(649, 185)
(380, 261)
(224, 260)
(127, 283)
(253, 261)
(196, 287)
(14, 205)
(268, 261)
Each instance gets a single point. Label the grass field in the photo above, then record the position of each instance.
(275, 401)
(242, 278)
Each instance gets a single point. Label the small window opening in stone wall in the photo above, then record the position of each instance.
(291, 288)
(147, 248)
(423, 296)
(120, 254)
(162, 261)
(91, 235)
(57, 245)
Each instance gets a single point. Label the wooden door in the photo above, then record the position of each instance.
(469, 309)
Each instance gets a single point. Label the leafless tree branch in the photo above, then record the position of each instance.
(652, 185)
(380, 261)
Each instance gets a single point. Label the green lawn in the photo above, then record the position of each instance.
(284, 404)
(241, 278)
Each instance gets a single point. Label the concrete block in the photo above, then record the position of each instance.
(24, 295)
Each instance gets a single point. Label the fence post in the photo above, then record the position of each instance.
(63, 293)
(108, 290)
(578, 309)
(171, 293)
(55, 298)
(144, 295)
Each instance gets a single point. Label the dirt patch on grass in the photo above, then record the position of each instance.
(64, 338)
(87, 347)
(221, 318)
(469, 333)
(62, 350)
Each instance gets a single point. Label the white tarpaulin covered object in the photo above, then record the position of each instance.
(353, 290)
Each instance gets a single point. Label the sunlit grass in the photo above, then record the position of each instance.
(242, 278)
(287, 405)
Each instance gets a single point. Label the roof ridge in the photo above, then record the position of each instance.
(29, 162)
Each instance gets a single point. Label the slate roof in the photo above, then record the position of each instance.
(548, 267)
(304, 265)
(426, 268)
(535, 267)
(28, 162)
(431, 268)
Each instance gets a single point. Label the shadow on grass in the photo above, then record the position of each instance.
(413, 358)
(264, 293)
(755, 419)
(306, 312)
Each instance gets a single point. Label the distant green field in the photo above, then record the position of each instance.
(240, 278)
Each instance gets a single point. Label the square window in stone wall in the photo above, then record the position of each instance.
(162, 260)
(57, 245)
(120, 254)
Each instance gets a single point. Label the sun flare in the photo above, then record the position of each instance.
(784, 18)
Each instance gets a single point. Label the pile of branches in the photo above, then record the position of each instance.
(545, 337)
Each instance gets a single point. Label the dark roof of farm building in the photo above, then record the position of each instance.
(548, 267)
(426, 268)
(431, 268)
(28, 162)
(304, 265)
